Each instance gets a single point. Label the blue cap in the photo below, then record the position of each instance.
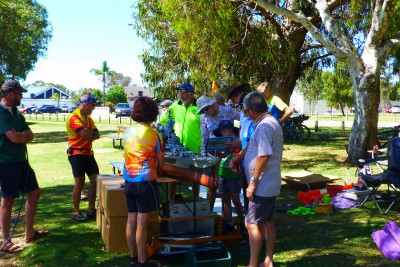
(87, 98)
(187, 87)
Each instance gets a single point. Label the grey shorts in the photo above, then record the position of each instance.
(261, 210)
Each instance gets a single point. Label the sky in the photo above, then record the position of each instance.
(86, 33)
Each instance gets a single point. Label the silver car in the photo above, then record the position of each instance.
(122, 109)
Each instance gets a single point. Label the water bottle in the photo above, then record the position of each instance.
(361, 165)
(348, 179)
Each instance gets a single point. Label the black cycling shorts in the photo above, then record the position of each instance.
(82, 164)
(141, 196)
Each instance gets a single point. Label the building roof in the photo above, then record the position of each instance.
(133, 92)
(40, 92)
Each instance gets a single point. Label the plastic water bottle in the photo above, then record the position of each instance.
(348, 179)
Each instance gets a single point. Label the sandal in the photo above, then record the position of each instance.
(12, 248)
(36, 235)
(149, 263)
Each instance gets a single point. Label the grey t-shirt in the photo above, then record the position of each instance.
(267, 140)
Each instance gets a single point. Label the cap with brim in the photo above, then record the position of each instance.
(225, 124)
(204, 101)
(87, 98)
(186, 87)
(236, 86)
(11, 86)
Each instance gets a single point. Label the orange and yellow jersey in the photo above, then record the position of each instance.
(75, 123)
(142, 145)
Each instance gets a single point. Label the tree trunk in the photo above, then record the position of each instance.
(365, 126)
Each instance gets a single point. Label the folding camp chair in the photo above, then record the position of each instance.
(389, 177)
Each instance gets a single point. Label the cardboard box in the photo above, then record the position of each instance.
(113, 232)
(101, 179)
(113, 200)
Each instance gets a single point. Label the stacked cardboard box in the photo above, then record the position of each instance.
(112, 214)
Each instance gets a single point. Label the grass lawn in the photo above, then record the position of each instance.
(339, 239)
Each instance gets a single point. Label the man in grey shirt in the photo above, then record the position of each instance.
(263, 171)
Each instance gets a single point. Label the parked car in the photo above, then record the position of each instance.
(47, 109)
(64, 109)
(395, 109)
(72, 108)
(27, 110)
(122, 109)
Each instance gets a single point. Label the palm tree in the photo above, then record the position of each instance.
(104, 73)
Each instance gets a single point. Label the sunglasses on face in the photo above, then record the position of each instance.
(184, 91)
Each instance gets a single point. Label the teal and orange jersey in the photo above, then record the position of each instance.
(142, 146)
(76, 122)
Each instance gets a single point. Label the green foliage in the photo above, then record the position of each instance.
(116, 94)
(338, 89)
(25, 33)
(104, 74)
(207, 40)
(311, 85)
(119, 79)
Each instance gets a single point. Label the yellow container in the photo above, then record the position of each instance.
(324, 208)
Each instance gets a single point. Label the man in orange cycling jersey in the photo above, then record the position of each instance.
(81, 134)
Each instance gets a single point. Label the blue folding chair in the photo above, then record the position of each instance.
(389, 177)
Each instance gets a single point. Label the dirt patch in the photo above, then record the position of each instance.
(10, 259)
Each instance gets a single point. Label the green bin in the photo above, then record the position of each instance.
(213, 254)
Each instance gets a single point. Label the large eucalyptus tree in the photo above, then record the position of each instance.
(363, 34)
(222, 40)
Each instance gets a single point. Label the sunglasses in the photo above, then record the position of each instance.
(184, 91)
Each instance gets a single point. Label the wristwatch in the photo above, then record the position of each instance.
(253, 179)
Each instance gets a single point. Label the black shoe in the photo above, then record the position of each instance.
(77, 216)
(91, 215)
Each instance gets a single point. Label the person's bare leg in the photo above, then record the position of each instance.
(92, 190)
(76, 193)
(131, 233)
(270, 244)
(5, 217)
(141, 235)
(30, 212)
(227, 208)
(255, 243)
(211, 195)
(238, 206)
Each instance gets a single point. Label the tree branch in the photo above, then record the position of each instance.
(340, 53)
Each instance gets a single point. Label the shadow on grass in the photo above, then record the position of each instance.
(311, 240)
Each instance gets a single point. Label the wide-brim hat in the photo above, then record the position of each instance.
(225, 124)
(11, 86)
(236, 86)
(204, 101)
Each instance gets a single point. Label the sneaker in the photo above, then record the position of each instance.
(77, 216)
(91, 214)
